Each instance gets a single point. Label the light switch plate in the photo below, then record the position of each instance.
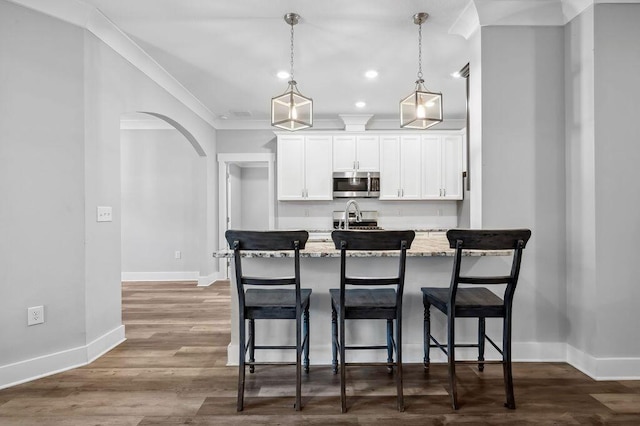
(104, 214)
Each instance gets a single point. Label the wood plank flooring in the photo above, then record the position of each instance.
(171, 371)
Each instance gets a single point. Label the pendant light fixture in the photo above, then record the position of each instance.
(422, 108)
(292, 110)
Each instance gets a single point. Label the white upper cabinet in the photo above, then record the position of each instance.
(412, 165)
(400, 168)
(318, 176)
(304, 167)
(356, 152)
(442, 167)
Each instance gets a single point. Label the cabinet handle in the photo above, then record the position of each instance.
(444, 192)
(398, 192)
(354, 165)
(402, 192)
(357, 165)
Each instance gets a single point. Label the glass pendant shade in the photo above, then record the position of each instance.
(292, 110)
(421, 109)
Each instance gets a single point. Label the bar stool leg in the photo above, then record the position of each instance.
(298, 405)
(481, 341)
(252, 344)
(427, 333)
(305, 328)
(390, 345)
(451, 355)
(343, 373)
(399, 362)
(334, 339)
(506, 362)
(241, 366)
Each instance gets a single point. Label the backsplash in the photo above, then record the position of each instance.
(391, 214)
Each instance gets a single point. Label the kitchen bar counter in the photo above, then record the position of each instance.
(426, 244)
(429, 264)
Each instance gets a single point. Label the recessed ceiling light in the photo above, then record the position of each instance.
(282, 75)
(371, 74)
(456, 74)
(223, 117)
(361, 104)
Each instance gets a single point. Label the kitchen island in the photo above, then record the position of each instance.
(429, 263)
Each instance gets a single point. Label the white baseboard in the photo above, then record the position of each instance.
(207, 280)
(46, 365)
(161, 276)
(604, 368)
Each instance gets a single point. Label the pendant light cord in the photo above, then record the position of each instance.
(420, 51)
(291, 74)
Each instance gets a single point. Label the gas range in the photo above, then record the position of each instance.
(369, 220)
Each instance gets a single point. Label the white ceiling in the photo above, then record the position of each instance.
(226, 53)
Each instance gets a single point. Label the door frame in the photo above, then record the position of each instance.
(224, 160)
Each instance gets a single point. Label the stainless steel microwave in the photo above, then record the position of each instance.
(356, 184)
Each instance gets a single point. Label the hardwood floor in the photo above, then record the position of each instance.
(171, 370)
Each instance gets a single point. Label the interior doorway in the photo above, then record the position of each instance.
(247, 194)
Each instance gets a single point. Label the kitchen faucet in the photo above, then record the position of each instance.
(346, 213)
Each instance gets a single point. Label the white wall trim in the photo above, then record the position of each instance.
(623, 368)
(161, 276)
(94, 21)
(57, 362)
(207, 280)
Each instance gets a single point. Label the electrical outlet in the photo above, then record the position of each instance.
(35, 315)
(306, 212)
(178, 254)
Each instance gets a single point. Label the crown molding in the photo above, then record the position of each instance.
(467, 23)
(93, 20)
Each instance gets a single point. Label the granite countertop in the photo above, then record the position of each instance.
(426, 244)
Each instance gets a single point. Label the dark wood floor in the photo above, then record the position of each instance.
(171, 370)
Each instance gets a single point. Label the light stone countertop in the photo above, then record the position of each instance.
(426, 244)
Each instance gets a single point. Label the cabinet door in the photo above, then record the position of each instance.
(368, 153)
(290, 166)
(389, 167)
(344, 153)
(452, 167)
(410, 167)
(431, 168)
(318, 170)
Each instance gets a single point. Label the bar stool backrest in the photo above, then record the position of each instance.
(487, 239)
(266, 241)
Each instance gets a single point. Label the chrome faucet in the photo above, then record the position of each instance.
(345, 218)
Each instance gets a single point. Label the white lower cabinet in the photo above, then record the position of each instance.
(304, 167)
(442, 167)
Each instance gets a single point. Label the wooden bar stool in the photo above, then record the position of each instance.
(369, 302)
(271, 303)
(476, 302)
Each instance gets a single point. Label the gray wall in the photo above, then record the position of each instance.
(523, 180)
(161, 184)
(255, 198)
(602, 202)
(580, 182)
(617, 155)
(42, 168)
(63, 93)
